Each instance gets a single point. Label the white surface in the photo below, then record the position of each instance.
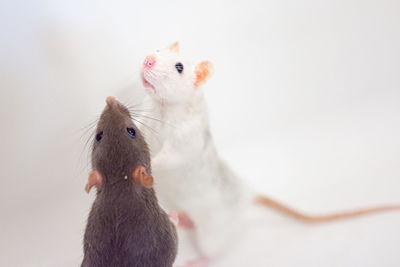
(304, 103)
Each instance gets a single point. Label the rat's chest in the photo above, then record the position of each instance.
(120, 236)
(185, 138)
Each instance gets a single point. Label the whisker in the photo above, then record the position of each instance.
(147, 126)
(141, 103)
(154, 119)
(88, 130)
(155, 71)
(129, 104)
(151, 130)
(142, 110)
(88, 127)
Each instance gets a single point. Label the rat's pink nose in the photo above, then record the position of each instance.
(149, 62)
(110, 100)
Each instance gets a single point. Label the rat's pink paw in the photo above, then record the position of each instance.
(202, 262)
(174, 217)
(185, 221)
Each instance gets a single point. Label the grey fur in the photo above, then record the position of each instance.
(126, 226)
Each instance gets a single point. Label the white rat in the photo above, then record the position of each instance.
(192, 178)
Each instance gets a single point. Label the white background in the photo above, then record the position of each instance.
(304, 104)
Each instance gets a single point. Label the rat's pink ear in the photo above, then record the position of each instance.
(141, 177)
(174, 47)
(94, 179)
(203, 71)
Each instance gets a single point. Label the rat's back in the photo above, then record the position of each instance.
(119, 234)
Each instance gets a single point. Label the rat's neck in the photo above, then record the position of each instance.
(195, 107)
(122, 190)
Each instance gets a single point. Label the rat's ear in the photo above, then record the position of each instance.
(174, 47)
(141, 177)
(94, 179)
(203, 71)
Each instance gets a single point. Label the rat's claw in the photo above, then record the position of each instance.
(94, 179)
(87, 188)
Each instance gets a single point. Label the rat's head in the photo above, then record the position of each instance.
(119, 148)
(171, 79)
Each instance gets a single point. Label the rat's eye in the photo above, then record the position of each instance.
(99, 136)
(179, 67)
(131, 132)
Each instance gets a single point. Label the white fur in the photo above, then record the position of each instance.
(189, 174)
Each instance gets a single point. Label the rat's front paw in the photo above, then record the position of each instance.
(185, 221)
(174, 218)
(202, 262)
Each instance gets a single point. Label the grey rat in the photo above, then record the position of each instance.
(126, 225)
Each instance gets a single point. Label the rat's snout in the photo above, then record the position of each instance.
(114, 105)
(149, 61)
(110, 101)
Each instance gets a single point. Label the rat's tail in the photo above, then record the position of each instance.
(321, 218)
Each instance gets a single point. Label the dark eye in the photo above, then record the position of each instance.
(131, 132)
(179, 67)
(99, 136)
